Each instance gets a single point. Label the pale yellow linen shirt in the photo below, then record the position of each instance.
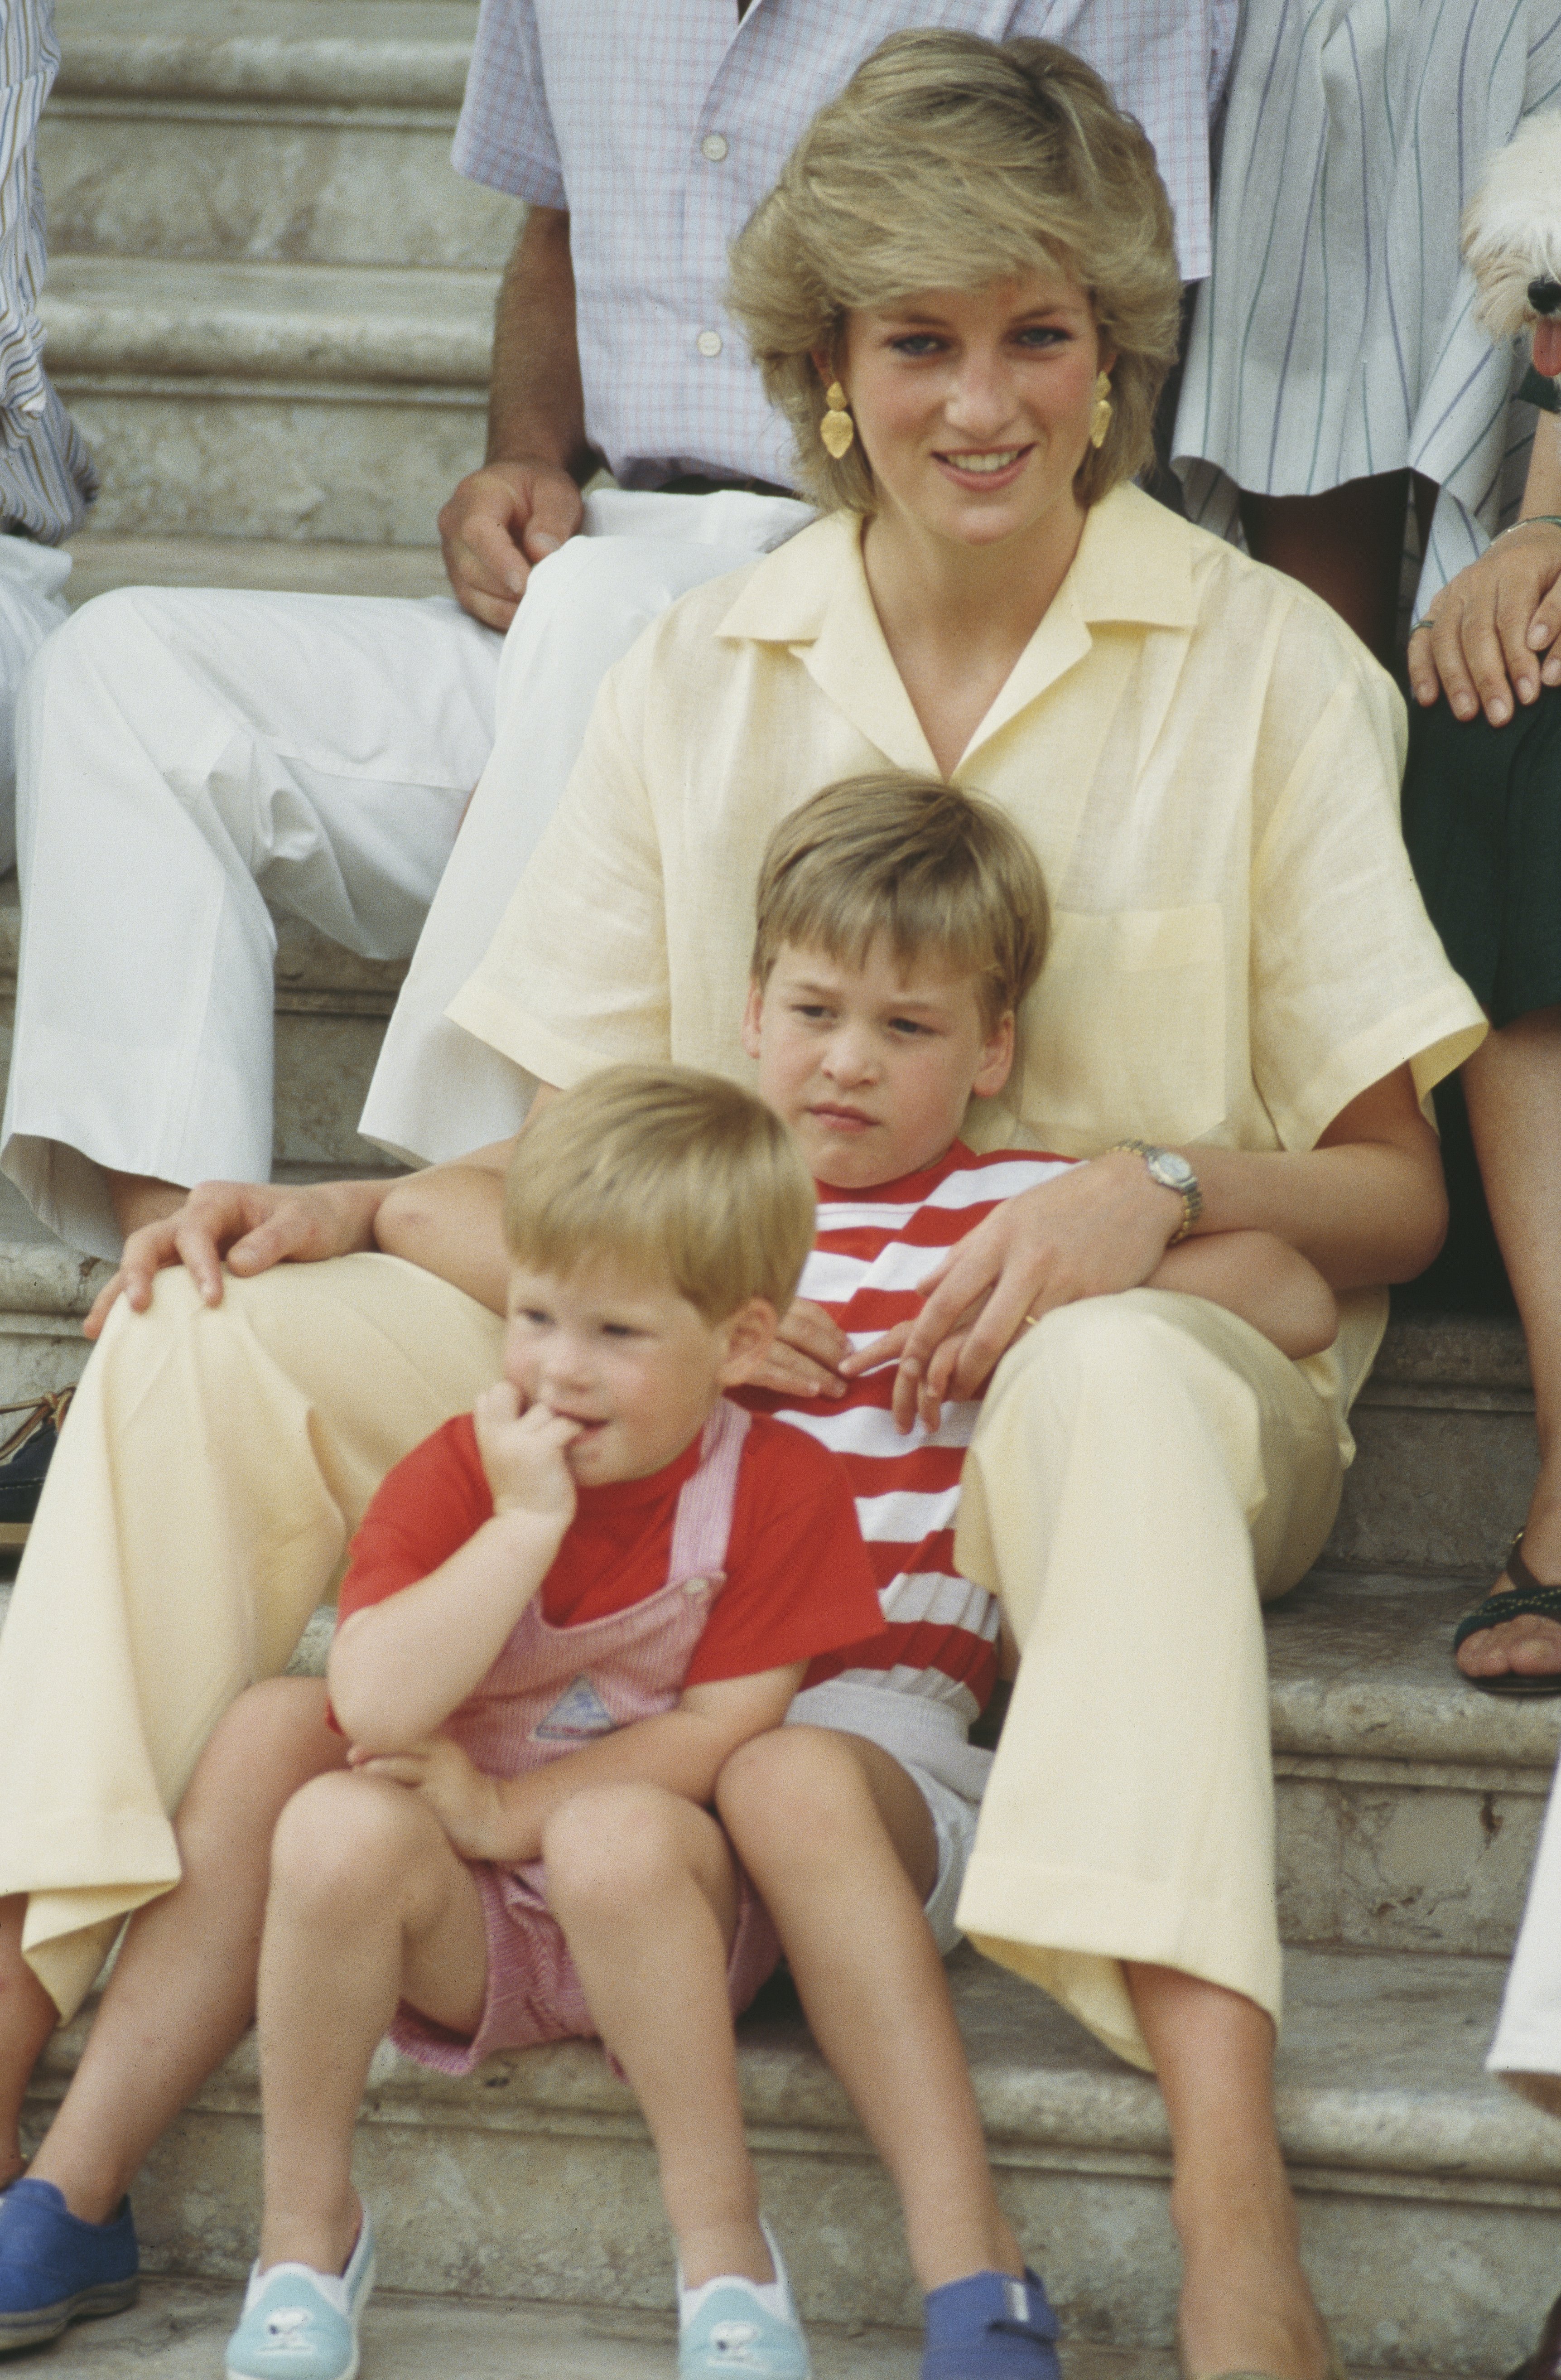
(1205, 759)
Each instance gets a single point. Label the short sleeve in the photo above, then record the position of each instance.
(424, 1509)
(505, 134)
(799, 1581)
(1348, 978)
(577, 976)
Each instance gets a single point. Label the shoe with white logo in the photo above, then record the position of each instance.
(745, 2329)
(300, 2324)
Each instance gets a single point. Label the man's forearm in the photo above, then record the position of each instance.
(1542, 489)
(536, 406)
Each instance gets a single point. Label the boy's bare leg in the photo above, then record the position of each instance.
(1245, 2300)
(183, 1988)
(369, 1906)
(28, 2016)
(644, 1887)
(837, 1838)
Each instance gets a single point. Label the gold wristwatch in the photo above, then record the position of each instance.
(1172, 1172)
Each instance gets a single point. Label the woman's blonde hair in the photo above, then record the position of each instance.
(943, 875)
(952, 162)
(678, 1176)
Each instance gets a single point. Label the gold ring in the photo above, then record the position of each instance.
(1029, 1321)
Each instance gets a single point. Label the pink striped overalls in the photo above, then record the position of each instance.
(552, 1690)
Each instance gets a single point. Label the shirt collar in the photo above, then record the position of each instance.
(1133, 567)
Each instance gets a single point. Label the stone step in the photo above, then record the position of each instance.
(99, 562)
(180, 2327)
(272, 401)
(304, 131)
(1429, 2195)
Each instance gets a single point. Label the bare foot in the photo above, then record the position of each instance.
(1246, 2305)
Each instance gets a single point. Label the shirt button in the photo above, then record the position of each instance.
(708, 343)
(713, 147)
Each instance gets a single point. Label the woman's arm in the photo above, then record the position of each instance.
(1366, 1205)
(682, 1750)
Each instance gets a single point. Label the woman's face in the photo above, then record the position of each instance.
(974, 407)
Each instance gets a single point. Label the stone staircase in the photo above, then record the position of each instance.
(269, 310)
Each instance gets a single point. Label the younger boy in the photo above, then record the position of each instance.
(900, 924)
(562, 1614)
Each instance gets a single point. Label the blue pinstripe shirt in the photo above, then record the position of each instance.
(47, 475)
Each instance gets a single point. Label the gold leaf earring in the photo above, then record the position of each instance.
(1100, 420)
(836, 430)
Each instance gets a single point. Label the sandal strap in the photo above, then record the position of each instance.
(1526, 1596)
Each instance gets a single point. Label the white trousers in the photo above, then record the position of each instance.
(1527, 2050)
(186, 756)
(31, 606)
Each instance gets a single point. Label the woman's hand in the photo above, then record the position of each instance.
(1495, 628)
(523, 1454)
(467, 1803)
(252, 1226)
(1100, 1228)
(806, 1356)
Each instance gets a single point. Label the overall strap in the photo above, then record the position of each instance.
(703, 1521)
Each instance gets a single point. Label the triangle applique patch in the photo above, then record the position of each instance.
(576, 1718)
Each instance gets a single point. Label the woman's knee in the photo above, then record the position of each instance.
(266, 1746)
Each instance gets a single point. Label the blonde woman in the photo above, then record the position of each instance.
(963, 292)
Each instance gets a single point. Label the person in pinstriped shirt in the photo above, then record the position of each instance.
(47, 475)
(1334, 352)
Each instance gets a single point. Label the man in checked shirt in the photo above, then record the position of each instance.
(192, 756)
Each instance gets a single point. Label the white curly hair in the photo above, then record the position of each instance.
(1512, 230)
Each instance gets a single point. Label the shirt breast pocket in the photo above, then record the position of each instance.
(1125, 1033)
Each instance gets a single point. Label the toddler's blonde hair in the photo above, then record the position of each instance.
(942, 874)
(680, 1175)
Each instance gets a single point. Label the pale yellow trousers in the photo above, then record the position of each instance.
(210, 1475)
(1145, 1468)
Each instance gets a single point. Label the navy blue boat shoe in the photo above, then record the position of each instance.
(990, 2327)
(55, 2269)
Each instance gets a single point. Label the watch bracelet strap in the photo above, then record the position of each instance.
(1190, 1194)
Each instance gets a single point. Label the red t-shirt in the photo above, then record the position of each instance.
(798, 1579)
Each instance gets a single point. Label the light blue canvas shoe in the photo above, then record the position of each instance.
(741, 2329)
(300, 2324)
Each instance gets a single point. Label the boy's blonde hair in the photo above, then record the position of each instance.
(943, 874)
(950, 161)
(677, 1174)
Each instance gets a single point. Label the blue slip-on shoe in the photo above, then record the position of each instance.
(56, 2269)
(990, 2327)
(300, 2324)
(747, 2329)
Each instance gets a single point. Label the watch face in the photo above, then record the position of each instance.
(1171, 1170)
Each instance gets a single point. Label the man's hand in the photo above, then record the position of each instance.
(1494, 629)
(465, 1802)
(499, 522)
(805, 1359)
(1097, 1229)
(523, 1455)
(253, 1226)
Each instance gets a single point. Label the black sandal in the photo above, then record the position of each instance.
(1525, 1594)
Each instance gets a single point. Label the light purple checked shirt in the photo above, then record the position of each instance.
(661, 123)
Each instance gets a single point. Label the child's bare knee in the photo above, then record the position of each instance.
(606, 1848)
(342, 1839)
(788, 1779)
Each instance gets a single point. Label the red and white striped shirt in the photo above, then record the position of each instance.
(940, 1633)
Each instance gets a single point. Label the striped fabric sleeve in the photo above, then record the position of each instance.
(46, 475)
(940, 1639)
